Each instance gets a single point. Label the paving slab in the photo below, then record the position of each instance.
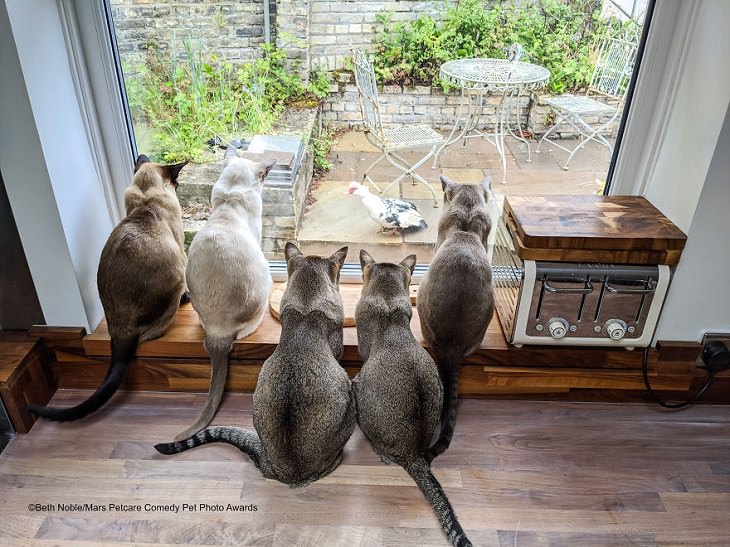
(335, 219)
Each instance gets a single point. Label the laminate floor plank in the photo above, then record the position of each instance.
(518, 473)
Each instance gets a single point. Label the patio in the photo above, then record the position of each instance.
(333, 219)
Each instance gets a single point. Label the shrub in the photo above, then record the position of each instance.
(188, 100)
(555, 34)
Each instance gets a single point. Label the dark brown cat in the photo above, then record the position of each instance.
(141, 276)
(456, 298)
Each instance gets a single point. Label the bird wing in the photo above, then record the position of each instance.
(403, 214)
(400, 204)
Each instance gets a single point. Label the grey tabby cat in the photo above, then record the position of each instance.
(303, 406)
(456, 298)
(398, 391)
(141, 276)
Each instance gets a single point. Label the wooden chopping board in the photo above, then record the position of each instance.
(615, 227)
(350, 296)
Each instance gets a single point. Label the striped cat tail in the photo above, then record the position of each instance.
(421, 473)
(244, 439)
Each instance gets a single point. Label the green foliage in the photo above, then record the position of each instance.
(321, 146)
(191, 98)
(559, 35)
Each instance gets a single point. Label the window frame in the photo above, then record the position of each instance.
(640, 162)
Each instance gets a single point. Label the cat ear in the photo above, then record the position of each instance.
(141, 159)
(365, 259)
(291, 250)
(172, 171)
(487, 184)
(337, 259)
(449, 187)
(447, 183)
(409, 262)
(231, 152)
(292, 254)
(262, 169)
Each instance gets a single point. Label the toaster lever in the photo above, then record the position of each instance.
(588, 289)
(616, 290)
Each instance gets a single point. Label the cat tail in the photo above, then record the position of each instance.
(245, 440)
(449, 364)
(123, 350)
(421, 473)
(218, 348)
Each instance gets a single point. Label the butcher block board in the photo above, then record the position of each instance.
(620, 229)
(350, 296)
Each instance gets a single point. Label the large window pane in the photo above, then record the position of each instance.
(201, 76)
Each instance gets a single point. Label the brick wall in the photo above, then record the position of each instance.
(339, 25)
(292, 28)
(318, 33)
(398, 105)
(434, 107)
(231, 29)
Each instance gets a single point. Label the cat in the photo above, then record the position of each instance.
(398, 392)
(141, 276)
(456, 298)
(303, 405)
(227, 273)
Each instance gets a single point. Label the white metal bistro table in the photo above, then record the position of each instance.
(478, 76)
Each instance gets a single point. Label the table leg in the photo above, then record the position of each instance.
(466, 111)
(518, 117)
(499, 134)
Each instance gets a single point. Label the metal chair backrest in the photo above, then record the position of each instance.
(367, 89)
(615, 65)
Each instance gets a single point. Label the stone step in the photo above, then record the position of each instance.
(284, 200)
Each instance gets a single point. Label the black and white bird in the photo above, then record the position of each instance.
(393, 215)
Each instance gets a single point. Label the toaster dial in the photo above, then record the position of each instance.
(557, 327)
(615, 328)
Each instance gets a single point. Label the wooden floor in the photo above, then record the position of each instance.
(518, 473)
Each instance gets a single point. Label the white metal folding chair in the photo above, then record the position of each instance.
(390, 141)
(610, 81)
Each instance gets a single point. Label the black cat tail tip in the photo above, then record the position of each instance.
(166, 448)
(36, 410)
(53, 414)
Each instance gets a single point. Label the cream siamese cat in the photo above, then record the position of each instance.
(303, 406)
(141, 276)
(227, 274)
(456, 298)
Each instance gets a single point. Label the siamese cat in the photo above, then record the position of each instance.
(398, 391)
(456, 298)
(141, 276)
(303, 406)
(227, 273)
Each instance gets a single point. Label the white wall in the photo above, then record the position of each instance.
(52, 183)
(701, 95)
(699, 297)
(690, 181)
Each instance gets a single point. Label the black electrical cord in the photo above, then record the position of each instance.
(673, 406)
